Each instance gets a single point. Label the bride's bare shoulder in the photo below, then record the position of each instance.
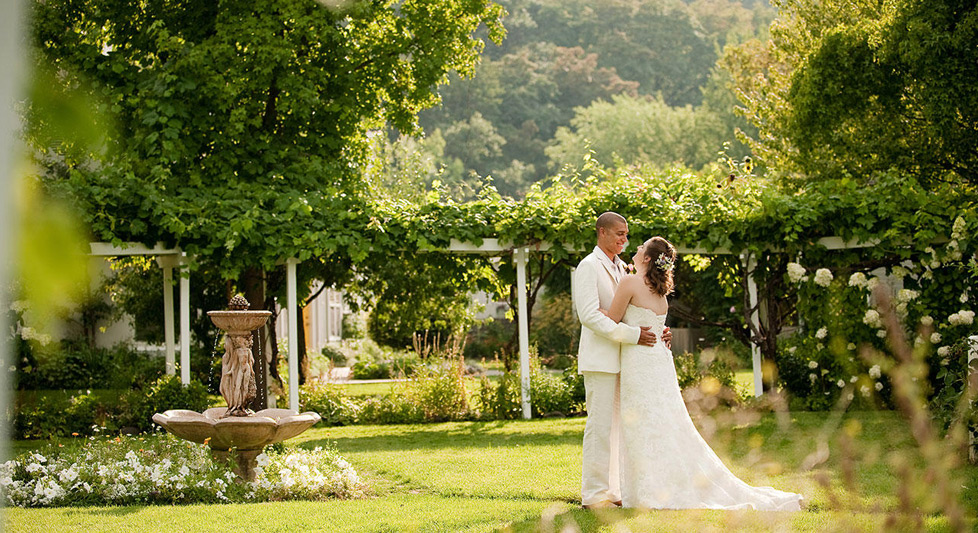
(631, 280)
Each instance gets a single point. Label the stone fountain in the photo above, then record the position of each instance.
(236, 431)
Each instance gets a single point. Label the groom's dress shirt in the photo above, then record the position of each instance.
(595, 281)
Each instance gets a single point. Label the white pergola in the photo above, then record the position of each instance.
(173, 258)
(168, 259)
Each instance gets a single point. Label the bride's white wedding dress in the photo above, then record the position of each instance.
(665, 463)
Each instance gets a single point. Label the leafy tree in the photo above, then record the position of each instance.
(242, 127)
(639, 130)
(857, 88)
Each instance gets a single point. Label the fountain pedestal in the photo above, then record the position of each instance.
(236, 431)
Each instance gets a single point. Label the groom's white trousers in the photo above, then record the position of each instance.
(599, 476)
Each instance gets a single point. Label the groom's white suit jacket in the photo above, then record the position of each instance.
(595, 281)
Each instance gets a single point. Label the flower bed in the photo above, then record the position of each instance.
(161, 469)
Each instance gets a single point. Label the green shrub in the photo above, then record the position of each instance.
(575, 382)
(392, 408)
(370, 370)
(71, 365)
(500, 400)
(163, 394)
(60, 414)
(439, 391)
(330, 402)
(334, 354)
(44, 419)
(550, 395)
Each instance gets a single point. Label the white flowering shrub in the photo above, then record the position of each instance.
(161, 469)
(931, 296)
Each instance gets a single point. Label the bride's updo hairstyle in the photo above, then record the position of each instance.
(662, 257)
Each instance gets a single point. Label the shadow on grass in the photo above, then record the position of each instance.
(574, 520)
(475, 435)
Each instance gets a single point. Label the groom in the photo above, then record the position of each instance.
(595, 281)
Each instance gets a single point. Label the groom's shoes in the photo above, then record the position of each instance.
(617, 503)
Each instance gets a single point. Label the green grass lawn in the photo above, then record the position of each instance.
(525, 476)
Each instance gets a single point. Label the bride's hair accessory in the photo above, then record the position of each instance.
(664, 262)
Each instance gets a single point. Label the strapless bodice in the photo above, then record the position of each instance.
(644, 317)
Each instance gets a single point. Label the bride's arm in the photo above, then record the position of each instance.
(626, 289)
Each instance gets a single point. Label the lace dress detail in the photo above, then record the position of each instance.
(665, 463)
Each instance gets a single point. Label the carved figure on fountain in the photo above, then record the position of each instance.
(237, 375)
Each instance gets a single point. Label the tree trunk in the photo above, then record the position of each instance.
(253, 284)
(273, 357)
(301, 346)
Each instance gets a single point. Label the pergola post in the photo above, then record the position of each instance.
(184, 321)
(755, 348)
(293, 315)
(167, 263)
(520, 256)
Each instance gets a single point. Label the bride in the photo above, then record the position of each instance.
(665, 463)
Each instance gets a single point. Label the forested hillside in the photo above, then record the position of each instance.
(634, 81)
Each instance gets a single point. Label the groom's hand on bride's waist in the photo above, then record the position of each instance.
(646, 338)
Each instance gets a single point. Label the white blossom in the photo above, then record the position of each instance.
(841, 383)
(795, 272)
(821, 333)
(963, 298)
(872, 282)
(819, 346)
(899, 272)
(872, 318)
(813, 364)
(906, 295)
(878, 386)
(935, 338)
(881, 333)
(792, 349)
(957, 230)
(857, 279)
(853, 379)
(823, 277)
(851, 346)
(864, 390)
(943, 351)
(926, 320)
(812, 377)
(962, 318)
(874, 372)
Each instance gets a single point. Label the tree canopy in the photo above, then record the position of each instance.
(240, 128)
(857, 88)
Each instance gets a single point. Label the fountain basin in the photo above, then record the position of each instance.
(239, 321)
(254, 432)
